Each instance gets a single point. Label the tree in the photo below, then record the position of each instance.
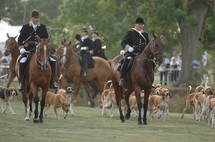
(183, 20)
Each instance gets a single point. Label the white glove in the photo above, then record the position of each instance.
(130, 49)
(22, 50)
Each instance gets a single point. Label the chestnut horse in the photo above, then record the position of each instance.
(141, 77)
(89, 87)
(12, 47)
(38, 76)
(71, 70)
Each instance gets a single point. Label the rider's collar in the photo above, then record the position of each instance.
(84, 37)
(31, 24)
(142, 31)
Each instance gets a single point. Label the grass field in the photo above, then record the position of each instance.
(89, 126)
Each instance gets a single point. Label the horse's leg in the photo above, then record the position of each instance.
(12, 75)
(30, 98)
(145, 105)
(76, 84)
(139, 102)
(34, 90)
(118, 97)
(90, 99)
(127, 95)
(25, 101)
(42, 102)
(95, 88)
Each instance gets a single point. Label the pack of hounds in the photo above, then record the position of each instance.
(60, 99)
(202, 99)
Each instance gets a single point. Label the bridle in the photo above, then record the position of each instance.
(40, 64)
(151, 58)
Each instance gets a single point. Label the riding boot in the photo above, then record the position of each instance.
(123, 72)
(84, 70)
(21, 76)
(53, 83)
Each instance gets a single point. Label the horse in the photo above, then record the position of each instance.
(11, 46)
(141, 77)
(38, 76)
(71, 70)
(89, 87)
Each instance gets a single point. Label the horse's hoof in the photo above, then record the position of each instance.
(145, 123)
(127, 116)
(27, 119)
(123, 120)
(140, 123)
(36, 120)
(41, 121)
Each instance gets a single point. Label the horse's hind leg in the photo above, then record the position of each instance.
(118, 97)
(12, 75)
(127, 95)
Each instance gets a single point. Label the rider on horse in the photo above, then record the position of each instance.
(27, 42)
(97, 46)
(85, 47)
(134, 42)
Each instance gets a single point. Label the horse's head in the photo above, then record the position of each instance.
(64, 49)
(10, 43)
(156, 48)
(43, 52)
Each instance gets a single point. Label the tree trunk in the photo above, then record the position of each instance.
(190, 37)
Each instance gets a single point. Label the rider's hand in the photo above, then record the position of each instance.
(130, 49)
(22, 51)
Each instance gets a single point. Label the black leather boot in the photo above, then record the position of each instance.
(84, 70)
(53, 83)
(123, 72)
(21, 76)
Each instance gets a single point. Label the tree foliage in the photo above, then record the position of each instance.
(185, 24)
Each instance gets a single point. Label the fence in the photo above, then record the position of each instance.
(168, 76)
(4, 73)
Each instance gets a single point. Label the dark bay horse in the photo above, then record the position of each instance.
(71, 70)
(11, 46)
(141, 77)
(38, 76)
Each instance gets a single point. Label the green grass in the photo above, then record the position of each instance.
(89, 126)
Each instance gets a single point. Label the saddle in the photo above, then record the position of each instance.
(130, 65)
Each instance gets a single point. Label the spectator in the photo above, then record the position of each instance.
(175, 64)
(204, 58)
(164, 68)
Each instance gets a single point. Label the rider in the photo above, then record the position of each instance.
(85, 47)
(27, 43)
(97, 46)
(134, 42)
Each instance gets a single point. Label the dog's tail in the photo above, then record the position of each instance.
(189, 90)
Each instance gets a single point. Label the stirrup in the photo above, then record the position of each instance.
(122, 82)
